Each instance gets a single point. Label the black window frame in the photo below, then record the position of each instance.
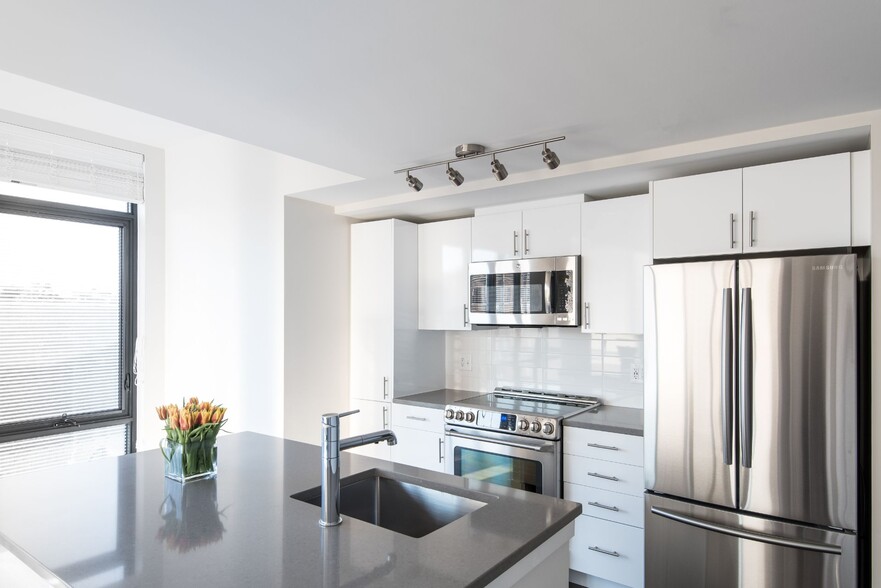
(126, 414)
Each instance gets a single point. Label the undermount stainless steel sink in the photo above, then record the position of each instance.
(398, 503)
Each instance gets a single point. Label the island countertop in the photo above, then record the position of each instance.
(119, 522)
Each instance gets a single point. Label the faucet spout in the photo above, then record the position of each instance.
(331, 445)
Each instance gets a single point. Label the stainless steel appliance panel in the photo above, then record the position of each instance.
(688, 545)
(689, 403)
(798, 371)
(528, 464)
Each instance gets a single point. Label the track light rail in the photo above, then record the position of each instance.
(478, 155)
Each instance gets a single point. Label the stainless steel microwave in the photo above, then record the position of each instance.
(525, 292)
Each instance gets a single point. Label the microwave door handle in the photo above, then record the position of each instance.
(549, 292)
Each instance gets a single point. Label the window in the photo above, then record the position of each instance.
(67, 304)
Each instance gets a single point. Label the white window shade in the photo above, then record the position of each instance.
(54, 161)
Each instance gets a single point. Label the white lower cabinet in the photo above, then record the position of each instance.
(609, 541)
(420, 433)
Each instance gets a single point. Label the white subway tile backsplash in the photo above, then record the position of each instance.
(556, 359)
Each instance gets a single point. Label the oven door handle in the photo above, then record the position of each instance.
(546, 445)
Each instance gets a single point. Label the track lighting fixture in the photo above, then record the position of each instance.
(454, 176)
(497, 169)
(550, 158)
(473, 151)
(414, 182)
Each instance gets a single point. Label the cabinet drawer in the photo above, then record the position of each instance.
(622, 557)
(603, 445)
(605, 475)
(418, 417)
(611, 506)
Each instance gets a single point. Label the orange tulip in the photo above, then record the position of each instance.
(206, 416)
(185, 422)
(162, 411)
(194, 400)
(218, 414)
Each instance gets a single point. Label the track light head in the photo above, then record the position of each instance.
(550, 158)
(414, 183)
(454, 176)
(498, 169)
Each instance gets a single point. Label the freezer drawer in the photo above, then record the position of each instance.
(687, 545)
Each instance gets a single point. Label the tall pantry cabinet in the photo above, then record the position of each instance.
(389, 355)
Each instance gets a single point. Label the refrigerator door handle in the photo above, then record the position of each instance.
(746, 377)
(745, 534)
(727, 377)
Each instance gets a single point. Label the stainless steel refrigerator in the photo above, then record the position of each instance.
(751, 423)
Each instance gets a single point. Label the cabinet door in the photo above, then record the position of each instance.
(616, 242)
(374, 416)
(552, 231)
(802, 204)
(444, 253)
(698, 215)
(372, 307)
(419, 448)
(496, 236)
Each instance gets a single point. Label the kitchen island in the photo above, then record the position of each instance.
(119, 522)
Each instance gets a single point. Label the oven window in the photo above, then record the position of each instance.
(514, 472)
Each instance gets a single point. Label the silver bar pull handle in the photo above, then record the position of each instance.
(733, 237)
(385, 417)
(465, 314)
(745, 534)
(515, 243)
(599, 505)
(727, 377)
(385, 387)
(587, 314)
(412, 418)
(752, 222)
(601, 550)
(440, 450)
(746, 377)
(603, 476)
(598, 446)
(525, 241)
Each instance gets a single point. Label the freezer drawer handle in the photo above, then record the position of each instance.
(750, 535)
(598, 446)
(601, 550)
(603, 476)
(598, 505)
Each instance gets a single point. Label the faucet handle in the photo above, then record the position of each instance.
(349, 412)
(333, 418)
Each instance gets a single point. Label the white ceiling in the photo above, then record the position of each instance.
(370, 87)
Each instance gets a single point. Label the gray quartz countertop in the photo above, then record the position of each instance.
(436, 398)
(614, 419)
(118, 521)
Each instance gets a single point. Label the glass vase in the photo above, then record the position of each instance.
(192, 460)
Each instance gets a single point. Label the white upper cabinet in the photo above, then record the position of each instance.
(616, 242)
(802, 204)
(444, 253)
(387, 351)
(698, 215)
(548, 231)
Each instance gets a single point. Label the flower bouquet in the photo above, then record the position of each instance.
(191, 432)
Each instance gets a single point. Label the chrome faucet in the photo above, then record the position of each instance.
(331, 445)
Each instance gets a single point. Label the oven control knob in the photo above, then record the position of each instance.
(524, 424)
(450, 413)
(460, 415)
(469, 416)
(536, 427)
(548, 428)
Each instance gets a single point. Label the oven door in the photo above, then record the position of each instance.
(534, 465)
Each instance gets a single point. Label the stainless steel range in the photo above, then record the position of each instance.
(512, 437)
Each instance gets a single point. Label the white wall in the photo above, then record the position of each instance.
(554, 359)
(316, 325)
(211, 242)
